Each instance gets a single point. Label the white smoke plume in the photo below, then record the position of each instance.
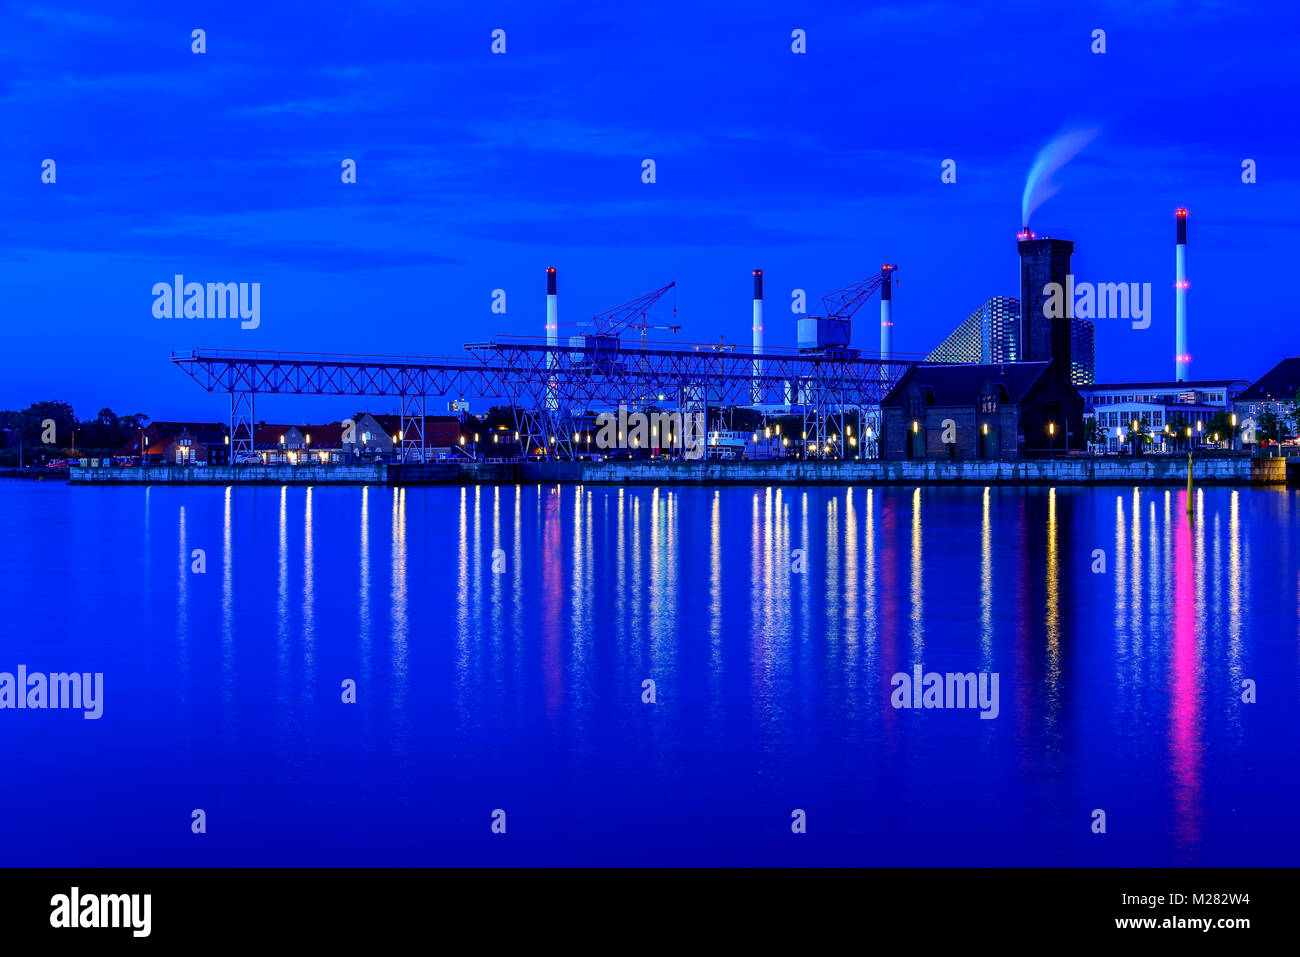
(1065, 146)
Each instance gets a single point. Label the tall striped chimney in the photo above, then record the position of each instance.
(552, 334)
(1182, 358)
(886, 311)
(758, 335)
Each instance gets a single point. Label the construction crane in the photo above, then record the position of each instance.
(643, 327)
(843, 303)
(626, 316)
(720, 346)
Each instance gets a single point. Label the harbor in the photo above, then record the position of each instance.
(1163, 470)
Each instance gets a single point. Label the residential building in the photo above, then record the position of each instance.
(180, 443)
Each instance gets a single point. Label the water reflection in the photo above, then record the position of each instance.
(695, 587)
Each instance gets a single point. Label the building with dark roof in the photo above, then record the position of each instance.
(966, 411)
(180, 443)
(1276, 391)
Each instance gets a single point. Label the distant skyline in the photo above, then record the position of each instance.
(476, 171)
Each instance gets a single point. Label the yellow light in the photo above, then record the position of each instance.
(1051, 428)
(985, 428)
(475, 438)
(462, 440)
(307, 438)
(1198, 425)
(1234, 419)
(916, 426)
(282, 440)
(778, 429)
(228, 437)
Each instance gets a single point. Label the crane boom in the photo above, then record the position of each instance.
(614, 321)
(843, 303)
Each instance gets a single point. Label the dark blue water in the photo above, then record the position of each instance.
(521, 689)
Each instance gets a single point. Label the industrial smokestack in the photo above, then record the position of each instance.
(1044, 262)
(887, 311)
(1182, 357)
(758, 335)
(552, 333)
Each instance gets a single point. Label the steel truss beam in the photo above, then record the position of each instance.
(547, 385)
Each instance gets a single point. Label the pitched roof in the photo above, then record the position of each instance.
(1280, 382)
(961, 383)
(158, 435)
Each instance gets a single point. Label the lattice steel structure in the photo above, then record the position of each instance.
(547, 385)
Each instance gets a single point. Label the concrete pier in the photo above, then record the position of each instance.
(1148, 470)
(1081, 470)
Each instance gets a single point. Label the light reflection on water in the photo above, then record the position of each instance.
(500, 637)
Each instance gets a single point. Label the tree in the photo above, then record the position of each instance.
(499, 415)
(1268, 427)
(1137, 436)
(1093, 433)
(1220, 424)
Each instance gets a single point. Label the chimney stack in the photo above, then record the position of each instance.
(1043, 262)
(1182, 357)
(758, 335)
(552, 334)
(887, 311)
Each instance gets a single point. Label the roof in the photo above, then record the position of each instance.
(1280, 382)
(1169, 386)
(270, 434)
(393, 423)
(961, 383)
(158, 435)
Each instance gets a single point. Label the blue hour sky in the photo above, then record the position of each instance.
(475, 171)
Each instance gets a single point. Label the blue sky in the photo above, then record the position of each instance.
(476, 171)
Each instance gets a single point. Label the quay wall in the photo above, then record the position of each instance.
(1162, 470)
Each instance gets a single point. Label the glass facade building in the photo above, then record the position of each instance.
(992, 334)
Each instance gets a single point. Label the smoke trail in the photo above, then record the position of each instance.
(1064, 147)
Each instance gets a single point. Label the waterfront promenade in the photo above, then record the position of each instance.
(1081, 470)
